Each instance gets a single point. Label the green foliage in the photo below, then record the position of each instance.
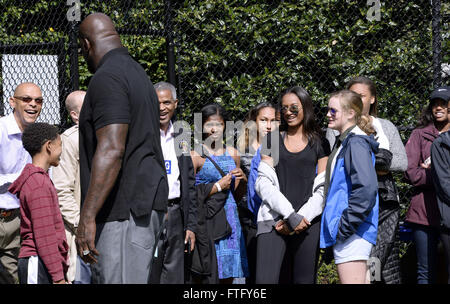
(31, 22)
(242, 52)
(327, 273)
(134, 20)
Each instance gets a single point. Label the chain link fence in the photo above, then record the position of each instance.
(239, 53)
(39, 43)
(33, 50)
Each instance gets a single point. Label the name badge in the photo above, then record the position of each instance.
(168, 164)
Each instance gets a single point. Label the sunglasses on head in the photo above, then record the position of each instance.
(27, 99)
(292, 108)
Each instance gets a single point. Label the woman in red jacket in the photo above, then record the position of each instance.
(423, 213)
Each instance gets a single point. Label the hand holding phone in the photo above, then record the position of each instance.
(187, 247)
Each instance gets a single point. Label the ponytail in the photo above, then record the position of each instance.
(365, 124)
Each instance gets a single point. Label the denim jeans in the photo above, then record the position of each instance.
(445, 238)
(426, 239)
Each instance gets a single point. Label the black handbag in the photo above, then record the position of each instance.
(202, 263)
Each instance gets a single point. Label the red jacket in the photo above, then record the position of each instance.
(423, 209)
(41, 225)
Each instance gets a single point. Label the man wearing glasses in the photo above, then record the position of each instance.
(26, 104)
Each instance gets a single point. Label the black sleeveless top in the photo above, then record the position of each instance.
(296, 171)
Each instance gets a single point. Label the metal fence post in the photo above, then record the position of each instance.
(73, 55)
(62, 81)
(169, 43)
(437, 58)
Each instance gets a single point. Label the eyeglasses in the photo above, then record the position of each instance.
(332, 111)
(294, 109)
(27, 99)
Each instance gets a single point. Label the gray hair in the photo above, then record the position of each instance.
(162, 85)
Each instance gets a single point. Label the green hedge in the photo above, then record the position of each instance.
(242, 52)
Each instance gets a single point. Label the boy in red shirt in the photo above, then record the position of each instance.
(43, 256)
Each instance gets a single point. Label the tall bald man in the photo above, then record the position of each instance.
(66, 178)
(123, 178)
(26, 104)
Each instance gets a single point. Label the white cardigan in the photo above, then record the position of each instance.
(275, 205)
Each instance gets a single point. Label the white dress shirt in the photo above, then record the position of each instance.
(13, 158)
(171, 162)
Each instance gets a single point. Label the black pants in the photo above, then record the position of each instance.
(251, 247)
(41, 277)
(249, 230)
(173, 248)
(445, 239)
(301, 249)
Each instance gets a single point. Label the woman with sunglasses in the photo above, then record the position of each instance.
(350, 217)
(291, 189)
(390, 158)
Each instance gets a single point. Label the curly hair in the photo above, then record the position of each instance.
(35, 135)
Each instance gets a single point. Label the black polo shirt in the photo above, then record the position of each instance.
(120, 92)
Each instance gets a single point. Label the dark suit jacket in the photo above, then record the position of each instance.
(188, 191)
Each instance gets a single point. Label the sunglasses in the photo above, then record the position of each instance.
(332, 111)
(294, 109)
(27, 99)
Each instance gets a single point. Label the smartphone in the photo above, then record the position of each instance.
(427, 161)
(187, 247)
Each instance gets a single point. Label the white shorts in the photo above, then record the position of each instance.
(355, 248)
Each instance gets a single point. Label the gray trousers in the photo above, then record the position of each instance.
(9, 248)
(126, 249)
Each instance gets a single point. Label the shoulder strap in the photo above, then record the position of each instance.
(205, 154)
(222, 173)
